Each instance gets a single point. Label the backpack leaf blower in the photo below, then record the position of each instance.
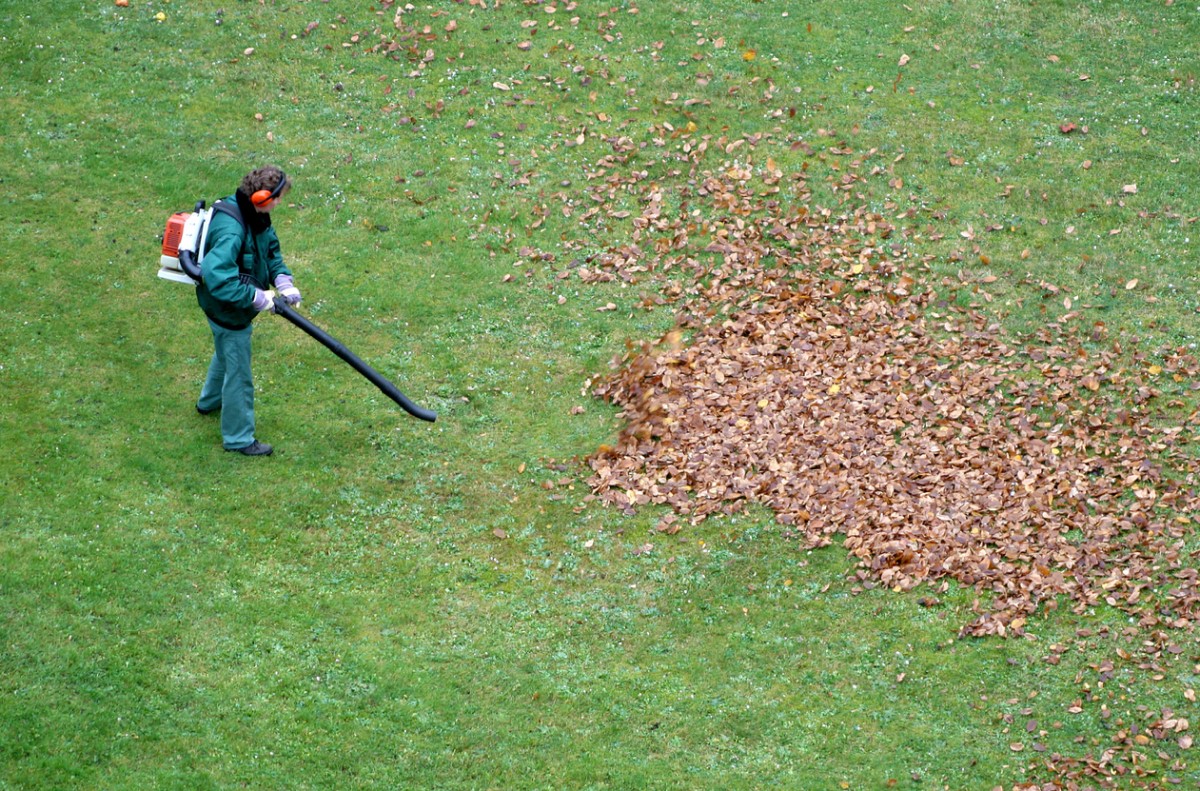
(182, 252)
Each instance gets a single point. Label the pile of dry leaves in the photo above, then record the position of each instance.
(814, 373)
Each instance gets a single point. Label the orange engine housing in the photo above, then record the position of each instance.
(174, 233)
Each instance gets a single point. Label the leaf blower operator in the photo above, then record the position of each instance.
(230, 253)
(241, 256)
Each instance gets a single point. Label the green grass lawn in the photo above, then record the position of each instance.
(387, 603)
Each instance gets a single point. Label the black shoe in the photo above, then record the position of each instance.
(207, 411)
(255, 448)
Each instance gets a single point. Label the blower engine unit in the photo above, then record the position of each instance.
(185, 231)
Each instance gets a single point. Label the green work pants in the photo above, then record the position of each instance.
(230, 386)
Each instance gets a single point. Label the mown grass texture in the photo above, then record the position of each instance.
(391, 604)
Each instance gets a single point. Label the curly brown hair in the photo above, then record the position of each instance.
(264, 178)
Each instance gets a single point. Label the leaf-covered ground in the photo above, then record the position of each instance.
(818, 371)
(824, 380)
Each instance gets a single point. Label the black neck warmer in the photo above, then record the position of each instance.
(255, 220)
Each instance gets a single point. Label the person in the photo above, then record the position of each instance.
(241, 259)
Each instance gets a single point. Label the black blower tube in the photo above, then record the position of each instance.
(188, 260)
(189, 264)
(389, 389)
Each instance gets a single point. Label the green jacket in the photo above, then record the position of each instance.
(224, 297)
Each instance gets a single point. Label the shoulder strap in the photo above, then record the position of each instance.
(231, 209)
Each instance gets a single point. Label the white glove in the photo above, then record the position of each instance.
(264, 300)
(287, 289)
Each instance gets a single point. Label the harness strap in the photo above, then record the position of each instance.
(232, 210)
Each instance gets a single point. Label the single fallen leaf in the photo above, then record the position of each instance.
(500, 533)
(904, 59)
(1131, 285)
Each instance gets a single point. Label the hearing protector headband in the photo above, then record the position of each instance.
(263, 197)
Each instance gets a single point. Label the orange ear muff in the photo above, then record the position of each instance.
(263, 197)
